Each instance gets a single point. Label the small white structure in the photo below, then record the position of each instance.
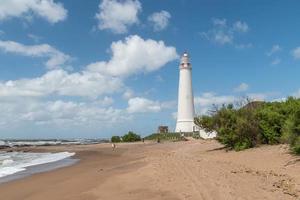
(186, 110)
(207, 135)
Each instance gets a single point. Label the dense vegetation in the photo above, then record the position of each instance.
(129, 137)
(164, 136)
(115, 139)
(241, 127)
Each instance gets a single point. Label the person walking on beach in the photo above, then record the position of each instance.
(113, 146)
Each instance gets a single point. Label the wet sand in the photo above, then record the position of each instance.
(182, 170)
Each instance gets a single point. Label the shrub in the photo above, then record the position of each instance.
(238, 128)
(205, 122)
(255, 123)
(115, 139)
(131, 137)
(291, 132)
(296, 145)
(164, 136)
(270, 122)
(242, 128)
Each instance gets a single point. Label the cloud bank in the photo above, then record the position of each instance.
(223, 33)
(49, 10)
(135, 55)
(56, 58)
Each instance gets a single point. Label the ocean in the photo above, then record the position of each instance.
(16, 164)
(50, 142)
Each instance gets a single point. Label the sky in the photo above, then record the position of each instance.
(92, 69)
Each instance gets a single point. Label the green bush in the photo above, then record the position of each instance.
(270, 123)
(131, 137)
(164, 136)
(255, 123)
(236, 128)
(296, 145)
(205, 122)
(115, 139)
(291, 132)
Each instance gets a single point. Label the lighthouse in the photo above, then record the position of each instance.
(186, 110)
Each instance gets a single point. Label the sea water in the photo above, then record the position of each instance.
(18, 143)
(17, 162)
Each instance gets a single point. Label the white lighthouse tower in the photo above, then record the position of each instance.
(186, 110)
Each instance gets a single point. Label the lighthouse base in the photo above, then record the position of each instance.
(186, 126)
(190, 127)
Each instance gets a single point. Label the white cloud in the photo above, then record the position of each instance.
(132, 56)
(56, 58)
(296, 53)
(60, 82)
(282, 99)
(35, 38)
(128, 94)
(135, 55)
(159, 20)
(59, 113)
(168, 104)
(219, 22)
(276, 61)
(259, 96)
(205, 101)
(209, 98)
(274, 49)
(82, 98)
(222, 37)
(142, 105)
(117, 15)
(222, 33)
(104, 102)
(242, 87)
(296, 94)
(47, 9)
(241, 27)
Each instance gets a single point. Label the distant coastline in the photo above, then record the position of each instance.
(9, 143)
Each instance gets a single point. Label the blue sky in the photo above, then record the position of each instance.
(87, 69)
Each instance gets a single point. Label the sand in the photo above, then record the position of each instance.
(193, 170)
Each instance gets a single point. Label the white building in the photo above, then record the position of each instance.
(186, 110)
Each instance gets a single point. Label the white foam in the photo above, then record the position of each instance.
(13, 162)
(5, 171)
(7, 162)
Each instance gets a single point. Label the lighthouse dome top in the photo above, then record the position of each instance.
(185, 54)
(185, 60)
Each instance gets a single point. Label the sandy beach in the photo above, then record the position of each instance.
(181, 170)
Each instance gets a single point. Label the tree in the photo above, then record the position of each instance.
(115, 139)
(131, 137)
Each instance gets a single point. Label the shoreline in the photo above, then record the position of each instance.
(181, 170)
